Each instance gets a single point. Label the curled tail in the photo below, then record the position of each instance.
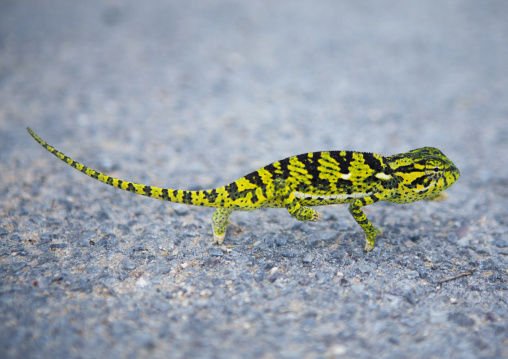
(206, 198)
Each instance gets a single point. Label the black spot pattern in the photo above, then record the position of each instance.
(373, 162)
(255, 178)
(187, 197)
(211, 195)
(343, 161)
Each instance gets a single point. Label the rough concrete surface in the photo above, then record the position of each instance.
(195, 94)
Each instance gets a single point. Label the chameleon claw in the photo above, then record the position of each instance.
(317, 216)
(218, 239)
(439, 198)
(371, 239)
(369, 247)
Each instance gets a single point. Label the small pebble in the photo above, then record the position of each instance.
(127, 264)
(215, 252)
(308, 258)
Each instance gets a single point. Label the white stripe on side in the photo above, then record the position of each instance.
(302, 195)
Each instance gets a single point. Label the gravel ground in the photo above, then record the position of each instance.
(195, 94)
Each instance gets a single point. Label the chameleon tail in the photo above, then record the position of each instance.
(206, 198)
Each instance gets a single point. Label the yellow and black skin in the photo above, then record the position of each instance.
(310, 179)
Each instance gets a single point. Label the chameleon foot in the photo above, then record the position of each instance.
(439, 198)
(218, 239)
(317, 216)
(371, 239)
(369, 247)
(219, 224)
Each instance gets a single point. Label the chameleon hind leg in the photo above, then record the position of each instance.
(371, 232)
(280, 189)
(220, 221)
(301, 213)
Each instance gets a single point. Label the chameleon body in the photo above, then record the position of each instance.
(310, 179)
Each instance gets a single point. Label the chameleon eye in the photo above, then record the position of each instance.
(433, 168)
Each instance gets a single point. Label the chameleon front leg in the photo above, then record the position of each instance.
(371, 232)
(301, 213)
(442, 196)
(220, 221)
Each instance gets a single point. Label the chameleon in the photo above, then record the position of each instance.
(311, 179)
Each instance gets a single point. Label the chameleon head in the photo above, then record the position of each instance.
(422, 174)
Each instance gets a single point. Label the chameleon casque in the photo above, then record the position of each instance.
(310, 179)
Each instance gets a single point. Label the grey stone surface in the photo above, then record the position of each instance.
(194, 94)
